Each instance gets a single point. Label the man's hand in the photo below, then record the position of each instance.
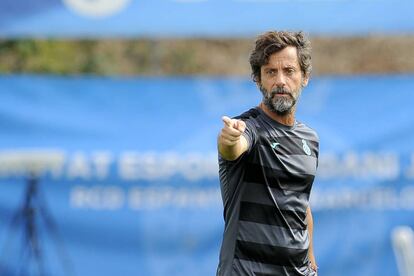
(231, 142)
(232, 130)
(313, 265)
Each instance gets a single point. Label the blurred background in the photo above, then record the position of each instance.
(110, 109)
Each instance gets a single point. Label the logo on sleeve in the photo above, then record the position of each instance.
(274, 145)
(305, 147)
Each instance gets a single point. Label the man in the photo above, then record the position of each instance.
(267, 163)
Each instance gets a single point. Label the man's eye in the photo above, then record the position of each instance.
(290, 71)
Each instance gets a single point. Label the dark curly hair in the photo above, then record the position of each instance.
(274, 41)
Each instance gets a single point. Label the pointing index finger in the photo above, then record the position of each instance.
(227, 121)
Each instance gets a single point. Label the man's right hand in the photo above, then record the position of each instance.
(231, 131)
(231, 142)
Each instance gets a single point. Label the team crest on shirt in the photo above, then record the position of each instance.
(305, 147)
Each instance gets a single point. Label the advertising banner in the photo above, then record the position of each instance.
(119, 176)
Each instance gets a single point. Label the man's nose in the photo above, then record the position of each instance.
(280, 80)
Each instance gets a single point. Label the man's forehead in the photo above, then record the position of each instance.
(286, 56)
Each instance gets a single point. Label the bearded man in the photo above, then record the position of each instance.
(267, 164)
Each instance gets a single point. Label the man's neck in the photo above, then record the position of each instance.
(288, 119)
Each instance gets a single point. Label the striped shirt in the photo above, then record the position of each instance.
(265, 195)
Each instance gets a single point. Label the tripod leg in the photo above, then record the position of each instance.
(58, 241)
(6, 249)
(36, 251)
(31, 247)
(25, 257)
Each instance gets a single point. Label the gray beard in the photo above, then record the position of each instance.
(279, 105)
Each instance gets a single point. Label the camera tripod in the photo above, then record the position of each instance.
(27, 218)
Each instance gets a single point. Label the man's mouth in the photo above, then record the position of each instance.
(283, 94)
(280, 91)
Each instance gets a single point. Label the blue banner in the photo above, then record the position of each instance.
(118, 176)
(206, 18)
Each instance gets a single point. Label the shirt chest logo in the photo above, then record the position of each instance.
(306, 148)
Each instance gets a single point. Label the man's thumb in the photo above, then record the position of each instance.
(241, 125)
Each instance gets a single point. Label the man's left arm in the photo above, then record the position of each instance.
(310, 230)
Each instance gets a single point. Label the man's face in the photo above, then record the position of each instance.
(281, 81)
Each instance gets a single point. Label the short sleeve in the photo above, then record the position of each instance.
(250, 134)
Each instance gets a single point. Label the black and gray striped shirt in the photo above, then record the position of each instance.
(265, 194)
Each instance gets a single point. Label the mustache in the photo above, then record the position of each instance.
(280, 90)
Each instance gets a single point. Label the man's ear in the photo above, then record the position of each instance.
(257, 81)
(305, 81)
